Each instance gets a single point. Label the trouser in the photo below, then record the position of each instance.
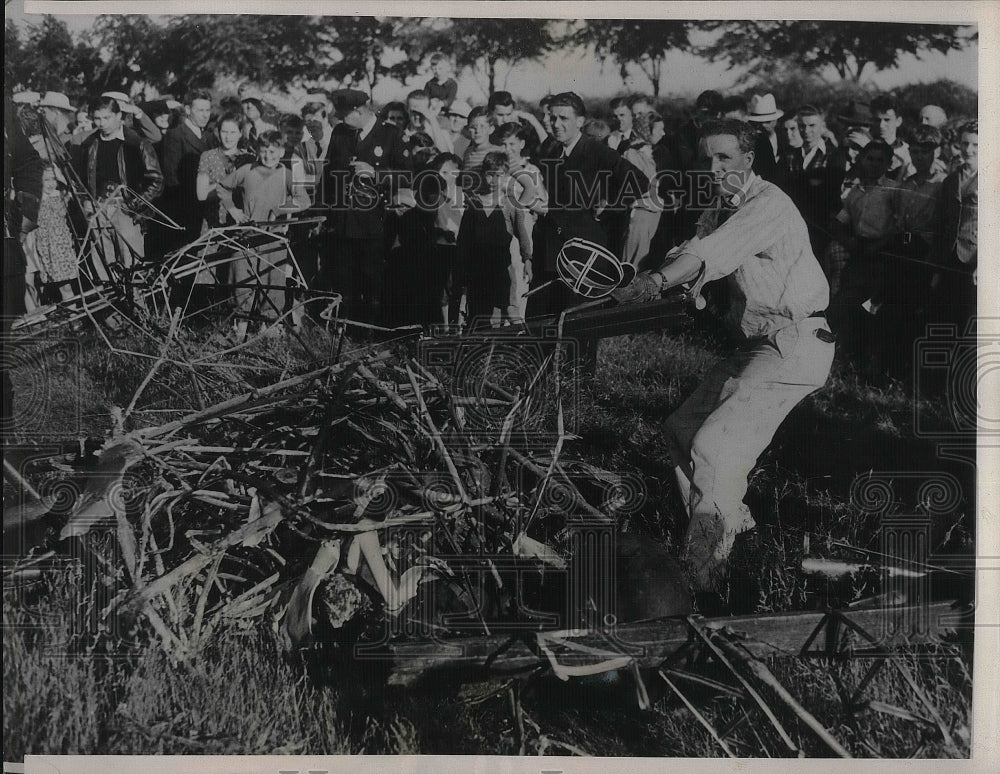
(717, 434)
(851, 316)
(517, 304)
(121, 240)
(358, 275)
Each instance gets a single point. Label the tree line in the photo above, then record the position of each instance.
(130, 53)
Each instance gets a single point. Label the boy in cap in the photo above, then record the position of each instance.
(112, 157)
(458, 119)
(364, 163)
(135, 118)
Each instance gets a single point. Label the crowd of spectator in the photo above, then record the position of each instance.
(436, 211)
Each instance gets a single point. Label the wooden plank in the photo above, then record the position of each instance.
(652, 642)
(671, 312)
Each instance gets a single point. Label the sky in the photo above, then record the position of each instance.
(574, 70)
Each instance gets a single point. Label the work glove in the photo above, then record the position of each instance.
(643, 288)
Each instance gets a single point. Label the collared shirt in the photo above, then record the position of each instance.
(914, 205)
(568, 149)
(735, 199)
(118, 135)
(808, 156)
(901, 166)
(617, 139)
(967, 237)
(869, 210)
(763, 247)
(193, 127)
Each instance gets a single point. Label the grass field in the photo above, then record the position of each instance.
(242, 697)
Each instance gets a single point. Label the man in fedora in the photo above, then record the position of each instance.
(57, 110)
(764, 114)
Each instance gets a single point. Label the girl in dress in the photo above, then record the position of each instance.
(217, 163)
(54, 250)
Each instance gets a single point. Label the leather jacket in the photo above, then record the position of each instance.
(137, 165)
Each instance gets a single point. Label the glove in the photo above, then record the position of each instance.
(642, 288)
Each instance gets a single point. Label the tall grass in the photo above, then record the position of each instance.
(239, 697)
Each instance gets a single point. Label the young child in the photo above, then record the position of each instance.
(55, 252)
(645, 212)
(269, 191)
(527, 191)
(450, 206)
(479, 135)
(442, 85)
(490, 237)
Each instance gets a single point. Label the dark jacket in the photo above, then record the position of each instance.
(816, 189)
(22, 187)
(137, 165)
(358, 205)
(182, 151)
(22, 174)
(592, 175)
(764, 162)
(958, 221)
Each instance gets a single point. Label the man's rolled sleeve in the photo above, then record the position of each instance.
(750, 230)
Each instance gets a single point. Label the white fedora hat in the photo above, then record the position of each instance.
(55, 99)
(763, 109)
(119, 96)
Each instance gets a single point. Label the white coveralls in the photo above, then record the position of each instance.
(717, 434)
